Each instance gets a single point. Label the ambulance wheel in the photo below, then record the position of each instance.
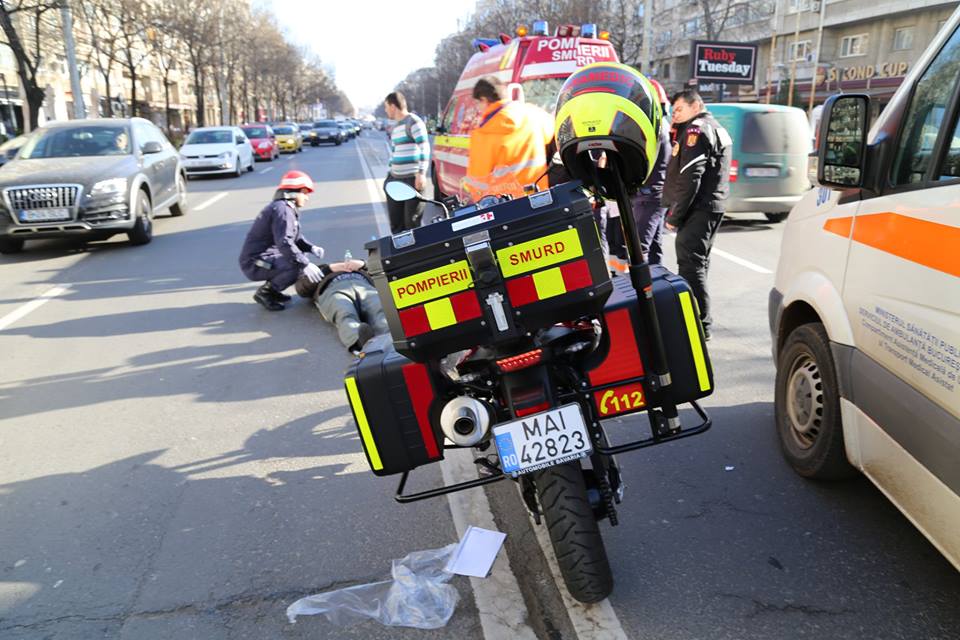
(574, 532)
(777, 217)
(807, 406)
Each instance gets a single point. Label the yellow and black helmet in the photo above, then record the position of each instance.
(608, 107)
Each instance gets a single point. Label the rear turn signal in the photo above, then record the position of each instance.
(734, 170)
(522, 361)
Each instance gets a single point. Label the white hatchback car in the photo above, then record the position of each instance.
(216, 150)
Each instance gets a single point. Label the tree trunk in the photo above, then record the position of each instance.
(133, 90)
(106, 84)
(166, 100)
(198, 91)
(34, 93)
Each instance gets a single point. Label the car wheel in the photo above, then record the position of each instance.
(239, 170)
(338, 142)
(142, 232)
(777, 217)
(179, 207)
(11, 245)
(250, 166)
(807, 406)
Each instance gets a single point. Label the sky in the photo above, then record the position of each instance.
(355, 35)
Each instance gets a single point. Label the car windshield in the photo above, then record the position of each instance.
(326, 124)
(256, 132)
(64, 142)
(543, 92)
(284, 131)
(210, 137)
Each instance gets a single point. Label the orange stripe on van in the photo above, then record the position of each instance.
(931, 244)
(839, 226)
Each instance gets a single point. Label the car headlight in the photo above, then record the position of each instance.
(225, 155)
(263, 145)
(109, 187)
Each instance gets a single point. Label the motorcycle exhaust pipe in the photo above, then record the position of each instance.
(465, 421)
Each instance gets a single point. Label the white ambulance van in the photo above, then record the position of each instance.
(865, 312)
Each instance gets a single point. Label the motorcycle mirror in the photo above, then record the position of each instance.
(401, 192)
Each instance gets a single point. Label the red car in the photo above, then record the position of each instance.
(262, 140)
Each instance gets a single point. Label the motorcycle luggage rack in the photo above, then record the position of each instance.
(706, 423)
(442, 491)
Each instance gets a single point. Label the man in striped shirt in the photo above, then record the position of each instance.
(409, 160)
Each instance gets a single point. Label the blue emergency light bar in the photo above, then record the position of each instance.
(588, 30)
(541, 28)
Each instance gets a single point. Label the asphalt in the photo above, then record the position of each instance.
(177, 462)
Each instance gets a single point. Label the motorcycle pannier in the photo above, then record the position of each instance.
(614, 370)
(490, 275)
(391, 398)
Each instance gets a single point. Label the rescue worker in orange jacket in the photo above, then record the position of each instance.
(508, 149)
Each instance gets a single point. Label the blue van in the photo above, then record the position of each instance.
(771, 145)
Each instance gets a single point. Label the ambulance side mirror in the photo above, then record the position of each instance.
(401, 192)
(841, 152)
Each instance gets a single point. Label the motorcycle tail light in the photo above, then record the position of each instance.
(522, 361)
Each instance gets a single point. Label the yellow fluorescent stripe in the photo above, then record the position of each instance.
(549, 283)
(361, 417)
(458, 142)
(440, 313)
(427, 285)
(696, 346)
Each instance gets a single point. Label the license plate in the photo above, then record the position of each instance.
(542, 440)
(44, 215)
(763, 172)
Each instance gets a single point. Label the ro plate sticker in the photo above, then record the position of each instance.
(435, 283)
(539, 253)
(472, 222)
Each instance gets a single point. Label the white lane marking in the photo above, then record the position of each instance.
(740, 261)
(292, 156)
(267, 170)
(33, 305)
(376, 197)
(219, 196)
(503, 613)
(590, 621)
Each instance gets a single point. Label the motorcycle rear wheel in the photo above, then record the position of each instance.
(574, 532)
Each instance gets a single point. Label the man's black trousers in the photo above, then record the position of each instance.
(694, 241)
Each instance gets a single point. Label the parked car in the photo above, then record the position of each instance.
(771, 148)
(288, 137)
(865, 309)
(262, 140)
(327, 131)
(92, 178)
(8, 150)
(217, 150)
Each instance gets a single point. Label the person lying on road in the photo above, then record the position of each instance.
(346, 298)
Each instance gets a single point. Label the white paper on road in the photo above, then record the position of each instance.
(476, 553)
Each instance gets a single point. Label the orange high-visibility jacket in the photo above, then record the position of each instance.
(508, 149)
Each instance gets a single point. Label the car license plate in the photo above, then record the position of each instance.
(542, 440)
(44, 215)
(763, 172)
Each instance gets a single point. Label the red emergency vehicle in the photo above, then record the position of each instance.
(535, 65)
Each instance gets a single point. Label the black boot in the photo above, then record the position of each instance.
(267, 297)
(364, 333)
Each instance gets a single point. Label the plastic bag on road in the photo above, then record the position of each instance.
(418, 596)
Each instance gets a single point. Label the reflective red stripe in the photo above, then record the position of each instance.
(466, 306)
(623, 358)
(522, 291)
(421, 396)
(543, 406)
(576, 275)
(414, 321)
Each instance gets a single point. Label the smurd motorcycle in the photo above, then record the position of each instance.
(509, 337)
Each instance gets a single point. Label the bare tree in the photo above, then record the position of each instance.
(132, 16)
(27, 46)
(194, 24)
(167, 52)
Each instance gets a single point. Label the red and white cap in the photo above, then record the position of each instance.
(296, 181)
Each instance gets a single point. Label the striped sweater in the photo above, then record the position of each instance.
(409, 154)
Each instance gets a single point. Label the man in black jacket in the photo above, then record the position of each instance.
(275, 249)
(697, 184)
(346, 298)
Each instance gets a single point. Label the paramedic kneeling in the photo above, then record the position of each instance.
(275, 249)
(347, 299)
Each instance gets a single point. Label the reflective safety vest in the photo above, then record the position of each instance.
(508, 150)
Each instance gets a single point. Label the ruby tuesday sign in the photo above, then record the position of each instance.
(723, 62)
